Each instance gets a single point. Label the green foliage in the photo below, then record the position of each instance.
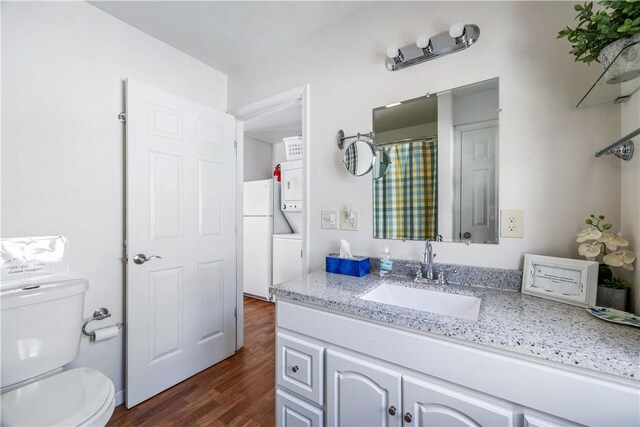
(617, 19)
(615, 283)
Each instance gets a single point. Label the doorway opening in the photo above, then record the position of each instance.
(273, 232)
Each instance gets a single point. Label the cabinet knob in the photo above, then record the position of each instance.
(408, 417)
(392, 410)
(295, 368)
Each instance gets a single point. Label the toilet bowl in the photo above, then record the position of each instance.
(77, 397)
(41, 323)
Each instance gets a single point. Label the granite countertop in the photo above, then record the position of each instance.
(508, 320)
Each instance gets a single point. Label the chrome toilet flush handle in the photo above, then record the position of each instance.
(142, 258)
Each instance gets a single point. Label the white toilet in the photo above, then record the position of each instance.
(41, 329)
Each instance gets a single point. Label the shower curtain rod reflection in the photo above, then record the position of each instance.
(402, 141)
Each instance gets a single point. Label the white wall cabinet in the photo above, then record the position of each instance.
(361, 392)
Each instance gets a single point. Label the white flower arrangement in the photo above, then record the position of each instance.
(597, 240)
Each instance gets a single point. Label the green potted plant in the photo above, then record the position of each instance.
(596, 241)
(602, 33)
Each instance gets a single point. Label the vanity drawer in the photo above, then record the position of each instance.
(300, 367)
(294, 412)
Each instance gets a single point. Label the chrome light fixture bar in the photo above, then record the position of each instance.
(459, 37)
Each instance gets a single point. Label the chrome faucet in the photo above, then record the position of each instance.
(426, 266)
(425, 271)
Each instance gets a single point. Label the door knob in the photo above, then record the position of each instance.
(142, 258)
(466, 235)
(392, 410)
(295, 368)
(408, 417)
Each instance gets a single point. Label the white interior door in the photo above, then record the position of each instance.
(478, 185)
(181, 207)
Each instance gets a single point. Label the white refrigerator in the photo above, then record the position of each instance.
(262, 219)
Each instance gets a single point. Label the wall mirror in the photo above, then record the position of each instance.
(442, 174)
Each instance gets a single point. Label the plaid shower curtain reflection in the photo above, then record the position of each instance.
(351, 158)
(405, 199)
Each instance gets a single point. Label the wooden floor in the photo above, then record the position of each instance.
(239, 391)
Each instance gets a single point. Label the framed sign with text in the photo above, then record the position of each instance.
(571, 281)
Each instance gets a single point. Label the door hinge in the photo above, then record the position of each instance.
(235, 229)
(235, 144)
(125, 258)
(122, 117)
(300, 253)
(235, 313)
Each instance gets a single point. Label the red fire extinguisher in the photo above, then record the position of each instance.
(276, 173)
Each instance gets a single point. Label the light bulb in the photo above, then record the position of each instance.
(423, 41)
(390, 64)
(393, 52)
(456, 30)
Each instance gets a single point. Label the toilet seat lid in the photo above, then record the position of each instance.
(66, 399)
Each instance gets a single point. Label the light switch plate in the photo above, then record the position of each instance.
(329, 219)
(512, 223)
(349, 224)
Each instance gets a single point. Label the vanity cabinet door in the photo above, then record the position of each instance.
(435, 405)
(361, 392)
(537, 419)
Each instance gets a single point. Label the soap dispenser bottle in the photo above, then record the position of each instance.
(386, 265)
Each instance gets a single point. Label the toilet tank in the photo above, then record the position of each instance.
(41, 326)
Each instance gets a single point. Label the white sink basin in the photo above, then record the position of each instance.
(460, 306)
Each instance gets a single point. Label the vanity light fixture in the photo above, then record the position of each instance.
(459, 37)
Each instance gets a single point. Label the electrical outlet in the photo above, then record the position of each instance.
(512, 223)
(349, 224)
(329, 219)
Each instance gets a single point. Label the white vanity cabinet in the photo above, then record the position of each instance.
(370, 374)
(361, 392)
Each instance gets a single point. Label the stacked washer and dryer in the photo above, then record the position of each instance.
(287, 247)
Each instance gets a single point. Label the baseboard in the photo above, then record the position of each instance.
(119, 397)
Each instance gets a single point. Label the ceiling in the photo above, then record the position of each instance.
(272, 127)
(229, 34)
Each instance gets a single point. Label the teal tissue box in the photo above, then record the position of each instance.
(358, 266)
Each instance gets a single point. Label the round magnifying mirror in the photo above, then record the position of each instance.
(381, 163)
(359, 157)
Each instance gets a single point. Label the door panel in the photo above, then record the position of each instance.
(434, 405)
(360, 392)
(181, 206)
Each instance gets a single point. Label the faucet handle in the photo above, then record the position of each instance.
(418, 270)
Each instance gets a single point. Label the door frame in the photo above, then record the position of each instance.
(271, 104)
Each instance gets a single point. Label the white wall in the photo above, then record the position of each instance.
(62, 151)
(630, 206)
(278, 154)
(547, 166)
(257, 159)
